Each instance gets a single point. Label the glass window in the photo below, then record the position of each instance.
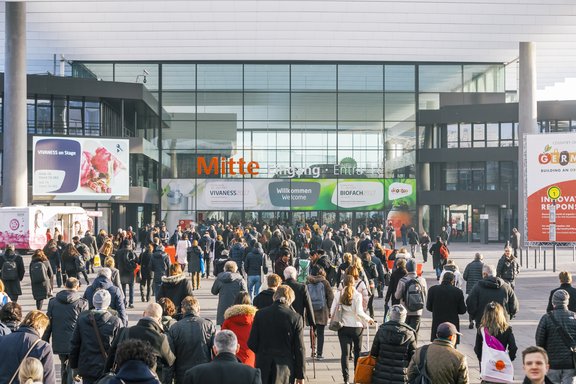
(360, 106)
(491, 175)
(219, 106)
(428, 101)
(31, 116)
(360, 77)
(227, 77)
(179, 77)
(399, 106)
(478, 175)
(479, 132)
(313, 77)
(506, 134)
(465, 136)
(217, 135)
(484, 78)
(492, 133)
(266, 106)
(507, 174)
(266, 77)
(440, 78)
(142, 73)
(464, 177)
(399, 78)
(452, 135)
(96, 70)
(91, 118)
(313, 106)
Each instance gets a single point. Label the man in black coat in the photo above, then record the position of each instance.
(277, 339)
(302, 303)
(13, 273)
(225, 367)
(565, 284)
(446, 302)
(266, 297)
(63, 312)
(491, 288)
(90, 242)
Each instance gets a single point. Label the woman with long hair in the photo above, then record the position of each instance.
(359, 284)
(4, 298)
(349, 301)
(145, 272)
(494, 321)
(194, 268)
(41, 278)
(71, 262)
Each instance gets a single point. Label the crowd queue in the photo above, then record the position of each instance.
(319, 278)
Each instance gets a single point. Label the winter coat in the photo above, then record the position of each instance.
(227, 286)
(395, 277)
(14, 347)
(507, 269)
(255, 264)
(182, 251)
(191, 339)
(237, 255)
(176, 288)
(393, 347)
(473, 274)
(321, 316)
(302, 303)
(12, 287)
(549, 337)
(212, 372)
(329, 247)
(571, 291)
(116, 278)
(132, 371)
(42, 290)
(399, 294)
(63, 311)
(218, 248)
(144, 261)
(194, 255)
(277, 339)
(444, 365)
(126, 259)
(71, 264)
(446, 302)
(159, 263)
(239, 319)
(264, 299)
(492, 289)
(506, 338)
(90, 242)
(117, 299)
(85, 350)
(437, 261)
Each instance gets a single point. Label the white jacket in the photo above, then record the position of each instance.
(181, 251)
(352, 315)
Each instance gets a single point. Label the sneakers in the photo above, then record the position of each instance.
(130, 305)
(319, 357)
(471, 325)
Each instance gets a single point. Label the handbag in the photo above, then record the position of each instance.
(336, 321)
(364, 369)
(568, 340)
(496, 365)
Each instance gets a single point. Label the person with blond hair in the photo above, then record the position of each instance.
(495, 324)
(4, 298)
(31, 371)
(27, 341)
(277, 339)
(565, 284)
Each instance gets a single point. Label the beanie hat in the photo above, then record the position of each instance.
(410, 265)
(101, 299)
(560, 298)
(398, 313)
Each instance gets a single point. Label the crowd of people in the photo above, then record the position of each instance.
(316, 277)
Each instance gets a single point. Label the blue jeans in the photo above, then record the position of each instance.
(131, 292)
(254, 283)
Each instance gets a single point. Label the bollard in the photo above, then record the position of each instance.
(573, 251)
(540, 253)
(554, 257)
(521, 257)
(534, 258)
(544, 259)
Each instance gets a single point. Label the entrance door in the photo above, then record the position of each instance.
(459, 218)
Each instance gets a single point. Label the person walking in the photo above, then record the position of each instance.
(135, 361)
(175, 287)
(63, 312)
(103, 282)
(393, 347)
(444, 364)
(195, 259)
(145, 272)
(182, 247)
(52, 251)
(556, 333)
(347, 305)
(535, 365)
(413, 240)
(438, 260)
(565, 284)
(266, 297)
(515, 241)
(40, 277)
(159, 264)
(495, 325)
(227, 286)
(301, 303)
(321, 296)
(446, 302)
(127, 263)
(395, 277)
(12, 272)
(277, 339)
(254, 266)
(472, 275)
(508, 267)
(424, 244)
(239, 319)
(412, 291)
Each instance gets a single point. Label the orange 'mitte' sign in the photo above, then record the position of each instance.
(226, 166)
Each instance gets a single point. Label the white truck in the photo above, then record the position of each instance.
(30, 227)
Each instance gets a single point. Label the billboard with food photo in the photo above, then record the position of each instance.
(551, 167)
(82, 168)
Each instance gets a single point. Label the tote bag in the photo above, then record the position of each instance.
(496, 365)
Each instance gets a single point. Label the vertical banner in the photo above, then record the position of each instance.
(400, 202)
(551, 175)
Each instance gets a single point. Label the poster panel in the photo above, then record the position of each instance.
(80, 168)
(551, 161)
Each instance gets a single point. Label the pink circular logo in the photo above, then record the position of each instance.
(14, 224)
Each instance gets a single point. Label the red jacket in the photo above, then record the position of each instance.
(238, 319)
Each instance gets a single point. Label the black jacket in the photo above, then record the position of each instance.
(302, 303)
(506, 338)
(191, 340)
(492, 289)
(571, 291)
(125, 262)
(144, 261)
(550, 338)
(277, 339)
(224, 369)
(42, 290)
(446, 302)
(329, 247)
(255, 263)
(176, 288)
(90, 242)
(473, 274)
(159, 263)
(507, 269)
(393, 347)
(132, 372)
(395, 277)
(85, 351)
(12, 287)
(264, 299)
(63, 311)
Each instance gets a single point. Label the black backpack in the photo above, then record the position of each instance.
(9, 270)
(414, 295)
(38, 272)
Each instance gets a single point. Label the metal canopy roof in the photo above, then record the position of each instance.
(347, 30)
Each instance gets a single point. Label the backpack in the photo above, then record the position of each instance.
(317, 295)
(9, 270)
(83, 251)
(131, 261)
(444, 253)
(38, 273)
(422, 376)
(414, 295)
(303, 268)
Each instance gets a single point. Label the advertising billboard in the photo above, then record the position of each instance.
(551, 167)
(80, 168)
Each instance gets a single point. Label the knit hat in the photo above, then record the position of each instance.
(560, 298)
(101, 299)
(398, 313)
(410, 265)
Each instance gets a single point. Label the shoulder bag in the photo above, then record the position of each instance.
(568, 340)
(24, 358)
(336, 321)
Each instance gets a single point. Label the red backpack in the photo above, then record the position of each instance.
(444, 253)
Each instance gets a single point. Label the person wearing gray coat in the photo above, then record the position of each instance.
(473, 274)
(227, 285)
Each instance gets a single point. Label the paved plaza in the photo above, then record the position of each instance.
(532, 288)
